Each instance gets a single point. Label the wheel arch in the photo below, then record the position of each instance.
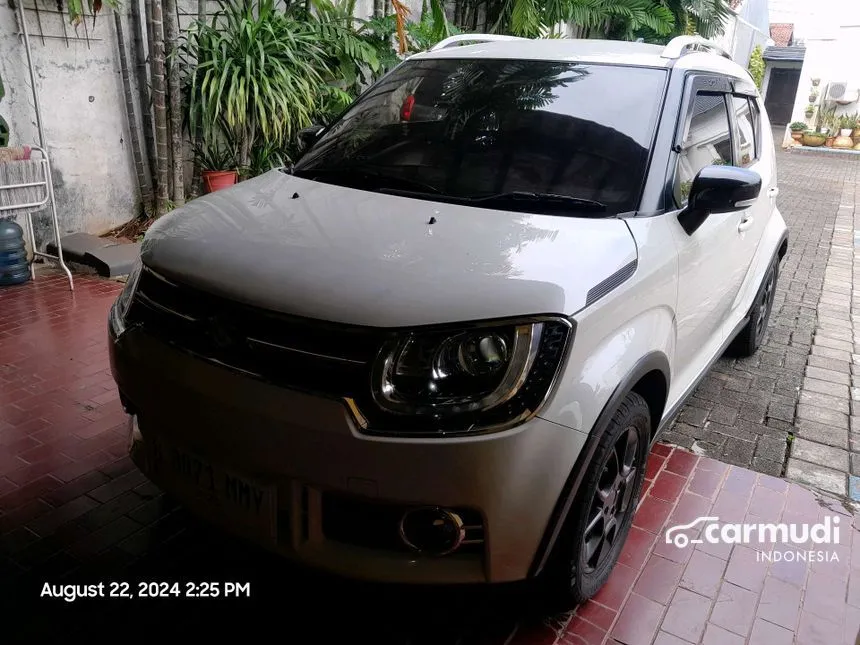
(650, 378)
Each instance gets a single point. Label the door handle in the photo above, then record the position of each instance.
(772, 192)
(746, 222)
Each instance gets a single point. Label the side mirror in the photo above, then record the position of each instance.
(308, 136)
(719, 189)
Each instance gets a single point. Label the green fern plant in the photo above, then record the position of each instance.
(255, 74)
(615, 18)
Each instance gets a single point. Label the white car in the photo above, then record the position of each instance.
(439, 348)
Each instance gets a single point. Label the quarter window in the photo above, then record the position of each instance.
(707, 141)
(747, 120)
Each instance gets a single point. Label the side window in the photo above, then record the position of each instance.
(747, 121)
(707, 141)
(756, 120)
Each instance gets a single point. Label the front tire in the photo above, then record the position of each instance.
(603, 510)
(750, 338)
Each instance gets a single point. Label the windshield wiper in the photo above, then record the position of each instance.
(361, 177)
(553, 200)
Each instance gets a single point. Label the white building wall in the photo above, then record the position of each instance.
(83, 112)
(831, 56)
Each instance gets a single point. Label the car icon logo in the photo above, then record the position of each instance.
(675, 534)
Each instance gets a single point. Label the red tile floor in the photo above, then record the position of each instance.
(73, 511)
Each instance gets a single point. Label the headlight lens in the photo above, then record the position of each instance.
(456, 380)
(123, 302)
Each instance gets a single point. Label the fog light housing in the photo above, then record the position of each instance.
(432, 531)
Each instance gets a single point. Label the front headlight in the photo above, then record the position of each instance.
(119, 311)
(469, 379)
(123, 302)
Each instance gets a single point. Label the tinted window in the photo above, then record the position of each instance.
(746, 121)
(452, 129)
(706, 142)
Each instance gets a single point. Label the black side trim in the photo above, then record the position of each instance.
(602, 288)
(782, 249)
(648, 363)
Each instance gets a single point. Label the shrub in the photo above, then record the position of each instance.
(756, 66)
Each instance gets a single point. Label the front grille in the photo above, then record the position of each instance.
(375, 525)
(314, 356)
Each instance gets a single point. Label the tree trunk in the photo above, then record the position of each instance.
(196, 187)
(131, 114)
(144, 99)
(171, 36)
(377, 8)
(156, 60)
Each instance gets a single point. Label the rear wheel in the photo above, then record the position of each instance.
(751, 336)
(602, 513)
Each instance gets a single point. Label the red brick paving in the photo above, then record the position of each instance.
(74, 509)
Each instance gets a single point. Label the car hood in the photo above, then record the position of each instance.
(344, 255)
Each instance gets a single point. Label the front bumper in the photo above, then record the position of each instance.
(306, 448)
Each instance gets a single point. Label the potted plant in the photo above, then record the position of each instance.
(797, 129)
(810, 110)
(815, 81)
(813, 139)
(813, 96)
(847, 123)
(218, 165)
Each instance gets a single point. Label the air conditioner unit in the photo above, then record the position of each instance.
(841, 93)
(835, 91)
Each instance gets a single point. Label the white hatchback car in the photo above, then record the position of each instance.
(439, 348)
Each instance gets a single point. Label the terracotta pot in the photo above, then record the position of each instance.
(217, 179)
(857, 131)
(829, 142)
(846, 143)
(797, 136)
(813, 139)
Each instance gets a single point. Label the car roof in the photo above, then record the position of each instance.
(616, 52)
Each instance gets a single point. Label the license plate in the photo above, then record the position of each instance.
(223, 495)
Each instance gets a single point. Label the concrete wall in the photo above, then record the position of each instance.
(84, 116)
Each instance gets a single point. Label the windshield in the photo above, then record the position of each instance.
(505, 134)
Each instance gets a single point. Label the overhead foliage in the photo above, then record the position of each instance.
(707, 18)
(594, 18)
(76, 8)
(652, 20)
